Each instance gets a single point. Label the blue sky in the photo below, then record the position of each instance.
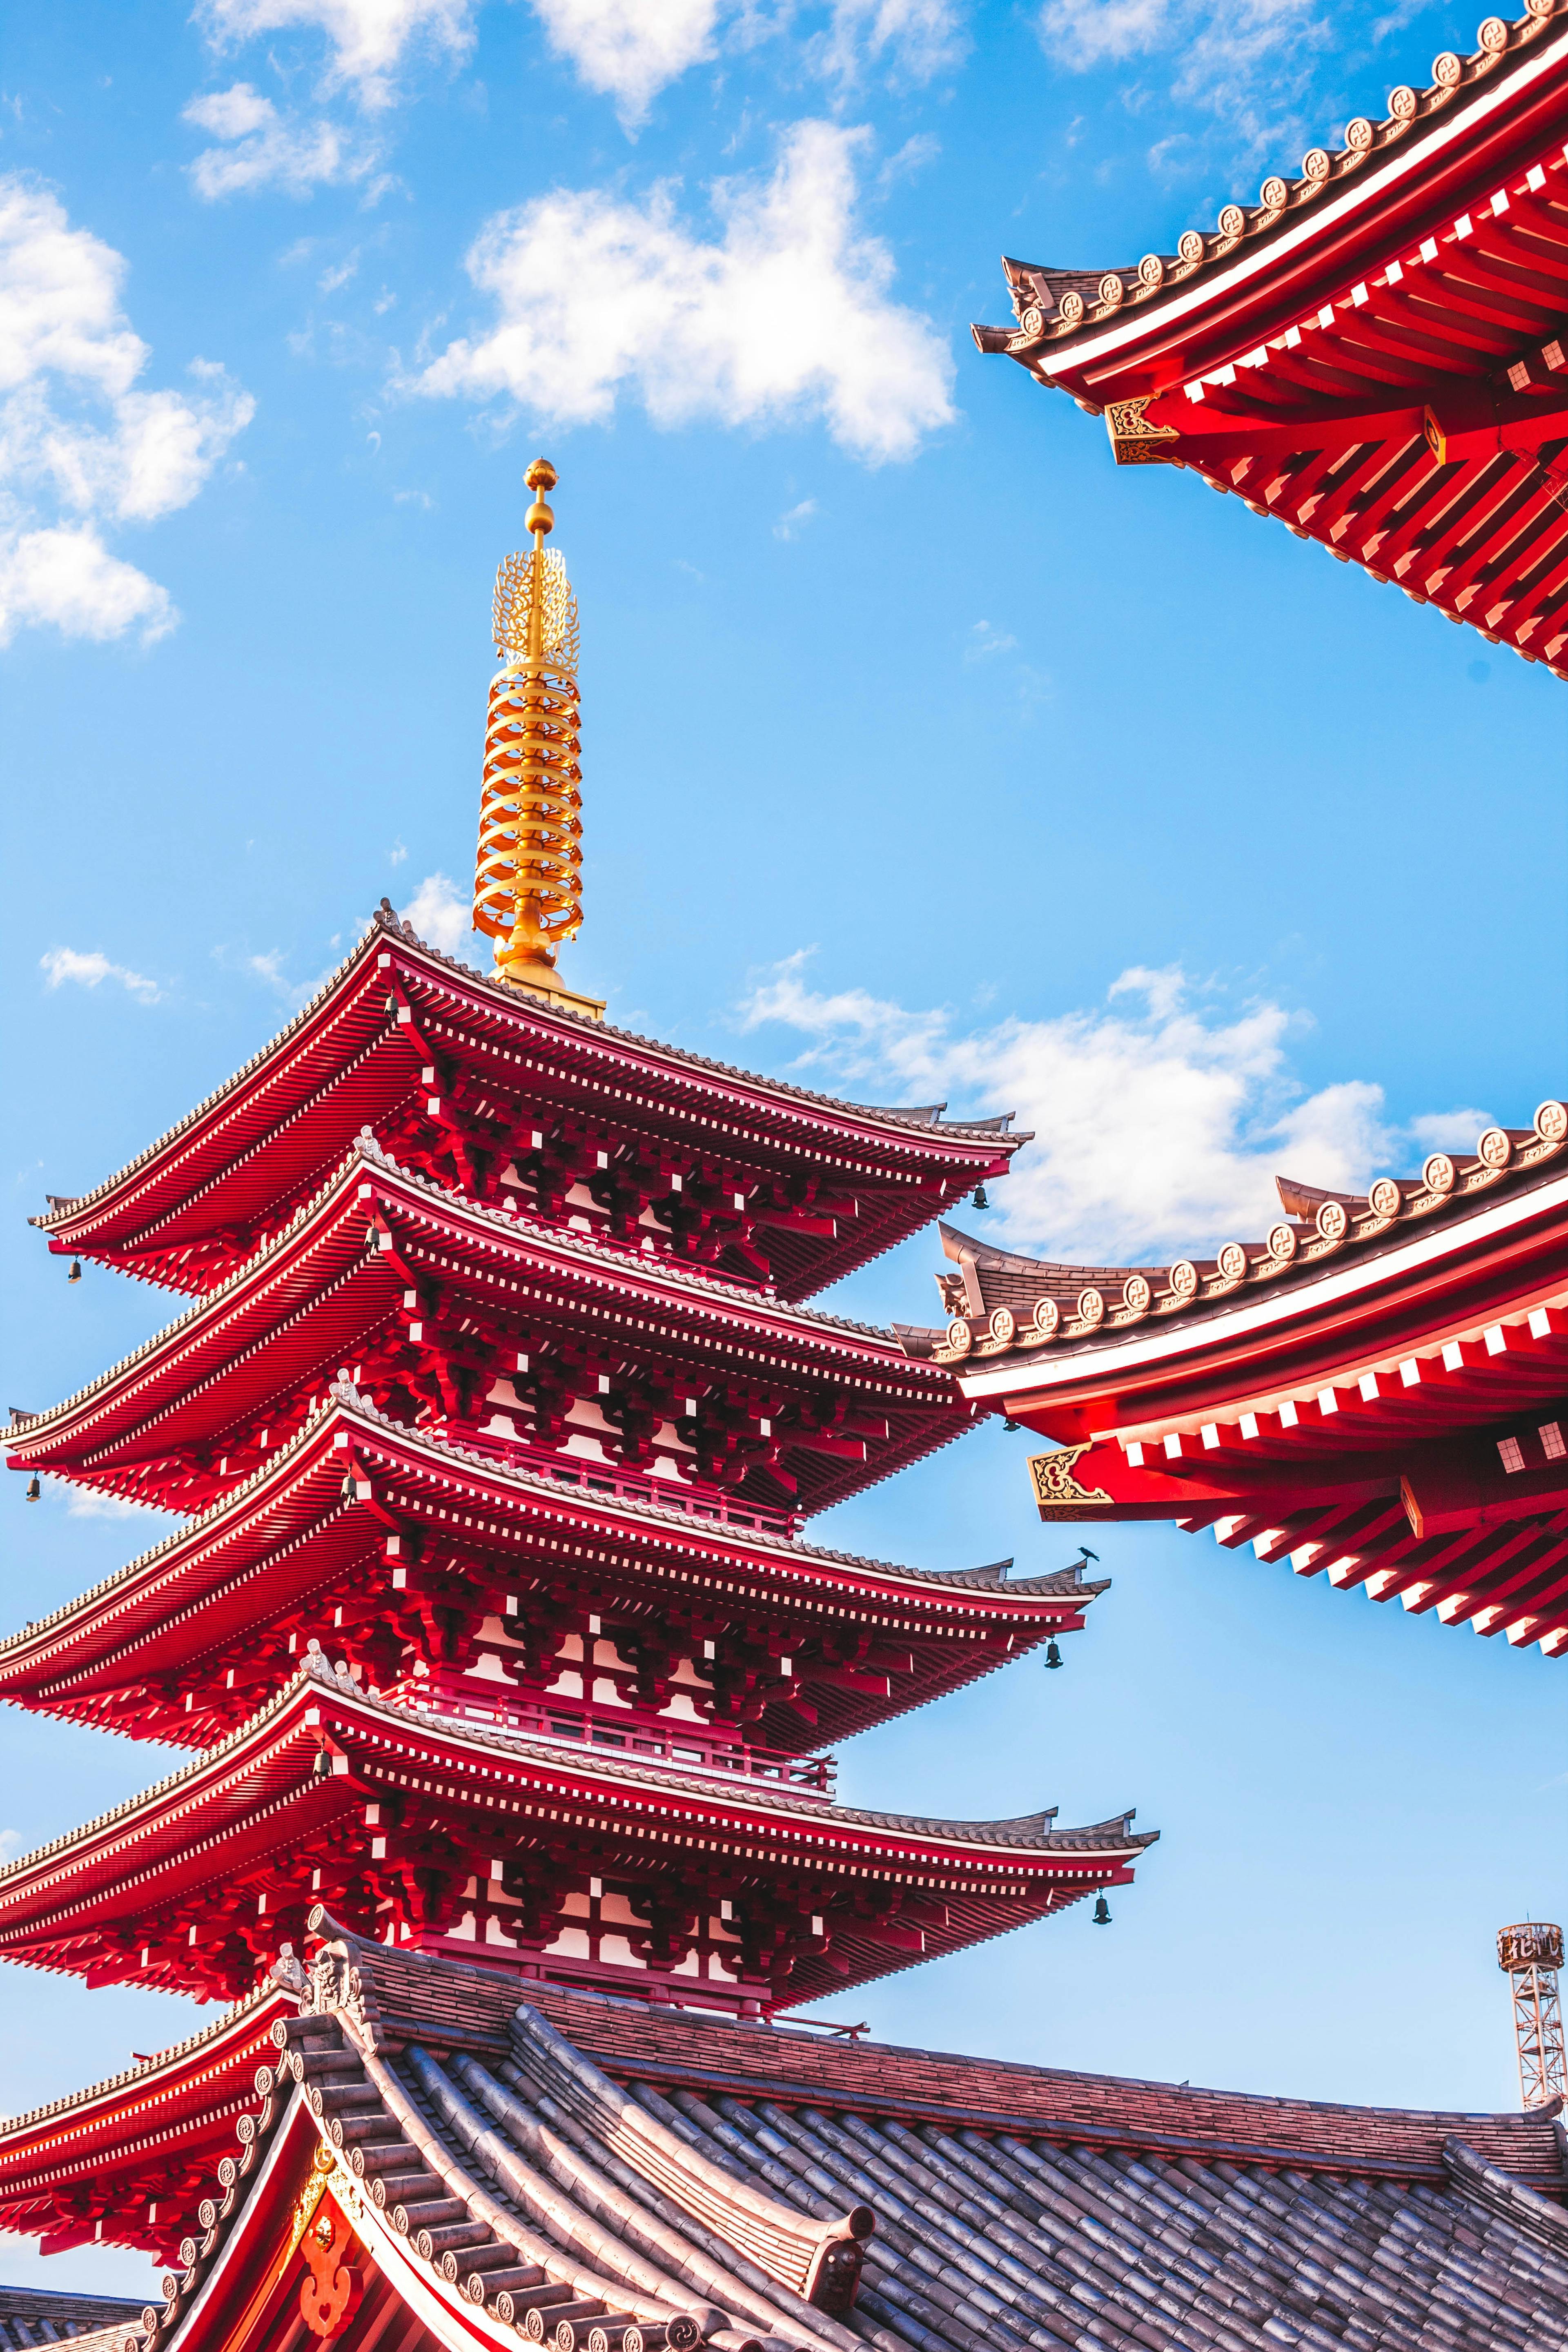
(925, 754)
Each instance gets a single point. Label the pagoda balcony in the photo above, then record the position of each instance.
(552, 1858)
(665, 1494)
(464, 1318)
(685, 1747)
(389, 1544)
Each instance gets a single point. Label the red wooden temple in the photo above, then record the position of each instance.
(1376, 1392)
(499, 1433)
(1373, 352)
(495, 1414)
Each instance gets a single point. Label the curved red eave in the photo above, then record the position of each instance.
(436, 1300)
(127, 2161)
(406, 1042)
(191, 1884)
(182, 1643)
(1377, 1394)
(1374, 354)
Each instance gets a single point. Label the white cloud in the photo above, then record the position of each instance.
(1159, 1124)
(81, 447)
(785, 315)
(983, 641)
(1242, 61)
(10, 1846)
(85, 1504)
(261, 149)
(630, 49)
(1080, 34)
(89, 971)
(1450, 1130)
(368, 40)
(268, 970)
(916, 37)
(440, 914)
(67, 579)
(792, 522)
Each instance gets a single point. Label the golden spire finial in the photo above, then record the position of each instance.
(527, 889)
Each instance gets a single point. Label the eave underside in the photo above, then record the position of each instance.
(194, 1205)
(1395, 388)
(538, 1856)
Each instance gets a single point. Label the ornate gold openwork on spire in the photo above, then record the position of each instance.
(528, 886)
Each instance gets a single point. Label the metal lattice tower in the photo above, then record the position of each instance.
(1531, 1956)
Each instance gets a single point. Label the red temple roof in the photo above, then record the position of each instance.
(1374, 352)
(430, 1053)
(431, 1822)
(1466, 1239)
(181, 1644)
(1378, 1392)
(127, 2161)
(444, 1299)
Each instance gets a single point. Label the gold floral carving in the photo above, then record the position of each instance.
(523, 582)
(1056, 1488)
(1134, 441)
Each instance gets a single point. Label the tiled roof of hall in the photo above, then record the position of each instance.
(384, 925)
(1058, 306)
(1027, 1304)
(1025, 1833)
(345, 1406)
(37, 2315)
(605, 1258)
(991, 2205)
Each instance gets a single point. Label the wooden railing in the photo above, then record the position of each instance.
(691, 1745)
(609, 1478)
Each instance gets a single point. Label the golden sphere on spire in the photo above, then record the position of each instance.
(540, 477)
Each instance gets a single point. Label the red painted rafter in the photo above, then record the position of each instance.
(416, 1826)
(1450, 276)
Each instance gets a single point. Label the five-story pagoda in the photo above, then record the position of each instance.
(497, 1410)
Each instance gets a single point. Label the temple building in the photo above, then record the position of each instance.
(1373, 352)
(507, 1834)
(1375, 1392)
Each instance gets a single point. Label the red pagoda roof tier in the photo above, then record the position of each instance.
(1379, 1391)
(128, 2161)
(454, 1558)
(482, 1320)
(828, 2193)
(491, 1090)
(1374, 352)
(553, 1859)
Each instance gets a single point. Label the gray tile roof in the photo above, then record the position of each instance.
(31, 2315)
(749, 2220)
